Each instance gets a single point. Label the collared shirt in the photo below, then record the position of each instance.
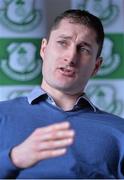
(96, 153)
(39, 93)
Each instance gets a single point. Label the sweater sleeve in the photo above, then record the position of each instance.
(7, 168)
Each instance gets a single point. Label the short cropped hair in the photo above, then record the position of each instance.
(84, 18)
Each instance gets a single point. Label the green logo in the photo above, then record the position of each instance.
(104, 97)
(21, 64)
(111, 60)
(107, 11)
(20, 15)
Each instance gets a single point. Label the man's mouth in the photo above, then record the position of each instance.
(70, 72)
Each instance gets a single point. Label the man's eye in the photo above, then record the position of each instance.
(63, 43)
(84, 50)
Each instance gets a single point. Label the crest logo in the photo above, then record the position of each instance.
(107, 11)
(111, 61)
(22, 64)
(17, 93)
(20, 15)
(104, 96)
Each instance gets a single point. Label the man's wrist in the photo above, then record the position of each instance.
(14, 158)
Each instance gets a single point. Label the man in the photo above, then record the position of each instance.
(56, 132)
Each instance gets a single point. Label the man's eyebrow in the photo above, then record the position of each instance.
(83, 43)
(64, 37)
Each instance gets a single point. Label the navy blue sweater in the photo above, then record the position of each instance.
(97, 151)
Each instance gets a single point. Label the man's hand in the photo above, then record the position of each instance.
(43, 143)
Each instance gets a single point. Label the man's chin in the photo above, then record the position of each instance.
(66, 89)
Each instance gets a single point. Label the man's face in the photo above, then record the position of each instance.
(69, 57)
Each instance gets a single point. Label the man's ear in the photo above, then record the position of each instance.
(43, 47)
(99, 61)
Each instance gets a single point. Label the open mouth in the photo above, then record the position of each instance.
(67, 71)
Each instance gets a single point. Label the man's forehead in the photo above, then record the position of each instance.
(68, 30)
(68, 33)
(68, 22)
(65, 26)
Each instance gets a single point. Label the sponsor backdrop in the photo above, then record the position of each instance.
(106, 89)
(23, 23)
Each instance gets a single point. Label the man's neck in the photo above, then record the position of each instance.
(63, 100)
(66, 102)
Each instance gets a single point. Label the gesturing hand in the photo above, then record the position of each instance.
(43, 143)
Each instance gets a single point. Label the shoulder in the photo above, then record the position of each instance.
(107, 115)
(98, 119)
(12, 111)
(109, 119)
(10, 105)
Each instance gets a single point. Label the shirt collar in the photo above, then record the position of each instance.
(39, 92)
(36, 93)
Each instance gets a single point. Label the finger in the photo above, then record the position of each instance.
(51, 153)
(57, 135)
(49, 145)
(54, 127)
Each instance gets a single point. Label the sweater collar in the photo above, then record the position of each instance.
(38, 92)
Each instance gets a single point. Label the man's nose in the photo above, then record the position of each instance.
(71, 56)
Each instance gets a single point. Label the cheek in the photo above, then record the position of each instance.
(51, 54)
(48, 65)
(86, 69)
(53, 60)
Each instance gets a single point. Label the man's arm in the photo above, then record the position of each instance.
(43, 143)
